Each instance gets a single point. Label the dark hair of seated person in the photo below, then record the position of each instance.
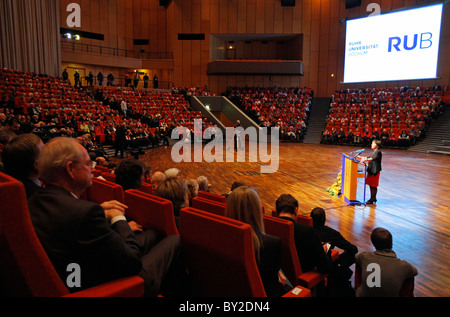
(381, 239)
(130, 174)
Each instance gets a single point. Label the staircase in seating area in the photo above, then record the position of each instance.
(317, 120)
(437, 138)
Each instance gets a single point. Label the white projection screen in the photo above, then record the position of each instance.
(395, 46)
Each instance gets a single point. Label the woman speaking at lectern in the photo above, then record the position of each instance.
(373, 170)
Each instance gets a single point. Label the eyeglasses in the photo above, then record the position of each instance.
(89, 164)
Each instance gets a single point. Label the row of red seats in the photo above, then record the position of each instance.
(157, 213)
(218, 250)
(387, 109)
(25, 268)
(56, 97)
(278, 106)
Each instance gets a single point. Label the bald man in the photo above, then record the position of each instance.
(157, 178)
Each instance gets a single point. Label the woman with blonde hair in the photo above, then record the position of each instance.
(244, 205)
(175, 190)
(193, 188)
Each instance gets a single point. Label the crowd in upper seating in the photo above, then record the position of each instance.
(397, 116)
(282, 107)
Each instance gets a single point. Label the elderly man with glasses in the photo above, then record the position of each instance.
(96, 237)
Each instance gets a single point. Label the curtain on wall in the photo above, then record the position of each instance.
(29, 36)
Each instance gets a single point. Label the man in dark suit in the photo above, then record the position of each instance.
(96, 237)
(309, 247)
(341, 267)
(120, 143)
(332, 236)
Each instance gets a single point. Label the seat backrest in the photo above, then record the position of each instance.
(219, 255)
(211, 196)
(96, 172)
(274, 213)
(306, 220)
(150, 211)
(303, 219)
(102, 190)
(146, 188)
(102, 168)
(209, 205)
(110, 177)
(25, 269)
(284, 229)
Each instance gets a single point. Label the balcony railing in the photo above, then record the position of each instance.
(76, 47)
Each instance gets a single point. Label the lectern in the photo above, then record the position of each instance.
(349, 180)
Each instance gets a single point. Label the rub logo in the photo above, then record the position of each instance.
(425, 42)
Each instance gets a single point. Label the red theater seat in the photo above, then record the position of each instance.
(211, 196)
(25, 269)
(102, 191)
(147, 188)
(150, 211)
(209, 205)
(284, 229)
(110, 177)
(220, 257)
(307, 220)
(99, 134)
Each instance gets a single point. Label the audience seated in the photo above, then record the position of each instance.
(97, 238)
(233, 187)
(101, 161)
(203, 183)
(383, 111)
(130, 174)
(157, 178)
(341, 267)
(286, 108)
(390, 272)
(20, 157)
(244, 205)
(175, 190)
(52, 107)
(309, 247)
(76, 122)
(403, 139)
(172, 173)
(193, 188)
(5, 137)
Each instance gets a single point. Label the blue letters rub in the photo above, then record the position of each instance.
(425, 42)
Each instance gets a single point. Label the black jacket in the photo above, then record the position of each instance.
(73, 230)
(375, 165)
(270, 264)
(309, 248)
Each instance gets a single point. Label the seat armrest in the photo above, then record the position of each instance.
(334, 255)
(125, 287)
(310, 279)
(298, 291)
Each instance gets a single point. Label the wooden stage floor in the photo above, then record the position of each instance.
(413, 199)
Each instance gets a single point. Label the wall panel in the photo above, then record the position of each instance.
(317, 20)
